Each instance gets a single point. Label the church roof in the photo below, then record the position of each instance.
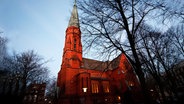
(101, 65)
(74, 19)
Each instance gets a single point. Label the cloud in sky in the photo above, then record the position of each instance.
(37, 25)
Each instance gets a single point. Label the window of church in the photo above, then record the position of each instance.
(106, 87)
(95, 88)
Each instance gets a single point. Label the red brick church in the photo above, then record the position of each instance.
(86, 81)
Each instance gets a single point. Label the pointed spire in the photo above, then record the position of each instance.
(74, 19)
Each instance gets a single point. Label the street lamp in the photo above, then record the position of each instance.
(85, 90)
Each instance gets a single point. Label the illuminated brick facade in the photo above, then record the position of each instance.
(86, 81)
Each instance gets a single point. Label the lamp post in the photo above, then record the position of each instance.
(85, 91)
(131, 85)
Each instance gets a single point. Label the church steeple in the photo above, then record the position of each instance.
(74, 19)
(72, 53)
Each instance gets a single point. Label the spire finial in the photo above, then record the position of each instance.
(74, 19)
(75, 2)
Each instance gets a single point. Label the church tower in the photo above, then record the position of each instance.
(72, 53)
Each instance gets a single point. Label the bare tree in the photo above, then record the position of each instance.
(159, 53)
(18, 71)
(51, 91)
(30, 68)
(3, 51)
(176, 35)
(3, 71)
(107, 23)
(147, 55)
(173, 10)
